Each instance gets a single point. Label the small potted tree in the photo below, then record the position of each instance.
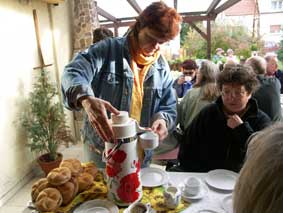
(44, 122)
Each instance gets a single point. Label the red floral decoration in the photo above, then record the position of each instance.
(113, 167)
(128, 186)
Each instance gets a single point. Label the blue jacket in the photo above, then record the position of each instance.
(103, 71)
(182, 89)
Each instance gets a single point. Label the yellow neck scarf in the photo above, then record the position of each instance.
(139, 72)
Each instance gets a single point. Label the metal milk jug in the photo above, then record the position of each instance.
(122, 163)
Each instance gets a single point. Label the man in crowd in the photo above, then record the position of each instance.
(185, 82)
(272, 68)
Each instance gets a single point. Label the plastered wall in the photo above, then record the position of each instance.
(18, 57)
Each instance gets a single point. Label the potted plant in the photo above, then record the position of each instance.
(44, 122)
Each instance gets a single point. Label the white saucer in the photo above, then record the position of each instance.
(221, 179)
(152, 177)
(202, 192)
(97, 206)
(227, 204)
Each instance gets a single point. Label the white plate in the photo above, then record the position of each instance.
(227, 204)
(221, 179)
(97, 206)
(152, 177)
(202, 192)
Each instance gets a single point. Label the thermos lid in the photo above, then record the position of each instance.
(123, 126)
(121, 118)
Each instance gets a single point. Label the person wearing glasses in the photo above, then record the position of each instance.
(185, 82)
(128, 74)
(217, 136)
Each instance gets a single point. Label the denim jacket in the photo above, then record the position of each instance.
(103, 71)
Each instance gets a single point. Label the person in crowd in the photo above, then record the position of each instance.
(216, 138)
(204, 91)
(259, 188)
(268, 94)
(185, 82)
(100, 34)
(242, 60)
(128, 74)
(231, 57)
(219, 58)
(175, 70)
(272, 68)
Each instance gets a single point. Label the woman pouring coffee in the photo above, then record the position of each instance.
(126, 74)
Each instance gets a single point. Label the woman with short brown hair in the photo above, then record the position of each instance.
(126, 74)
(216, 138)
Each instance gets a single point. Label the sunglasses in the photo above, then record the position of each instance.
(188, 72)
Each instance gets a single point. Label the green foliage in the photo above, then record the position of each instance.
(44, 119)
(183, 34)
(224, 36)
(280, 51)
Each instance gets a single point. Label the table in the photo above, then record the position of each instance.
(212, 200)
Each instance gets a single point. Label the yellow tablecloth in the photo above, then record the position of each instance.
(98, 190)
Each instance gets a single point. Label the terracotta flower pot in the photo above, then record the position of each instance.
(47, 165)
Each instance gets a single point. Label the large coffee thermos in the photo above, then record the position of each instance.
(122, 162)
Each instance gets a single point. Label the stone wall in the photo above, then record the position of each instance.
(85, 21)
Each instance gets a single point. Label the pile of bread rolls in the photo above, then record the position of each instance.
(62, 184)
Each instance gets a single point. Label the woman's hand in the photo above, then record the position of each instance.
(96, 110)
(233, 121)
(159, 127)
(181, 80)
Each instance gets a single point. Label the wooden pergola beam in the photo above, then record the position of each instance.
(120, 24)
(212, 6)
(198, 29)
(225, 6)
(135, 5)
(106, 15)
(175, 4)
(197, 18)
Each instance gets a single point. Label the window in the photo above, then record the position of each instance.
(275, 28)
(273, 5)
(277, 4)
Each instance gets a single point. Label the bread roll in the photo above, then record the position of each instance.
(37, 187)
(91, 169)
(49, 199)
(85, 180)
(73, 164)
(68, 190)
(59, 176)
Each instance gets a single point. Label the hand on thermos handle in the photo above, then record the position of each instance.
(97, 115)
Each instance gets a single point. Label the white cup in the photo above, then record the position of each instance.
(192, 186)
(188, 78)
(149, 140)
(138, 207)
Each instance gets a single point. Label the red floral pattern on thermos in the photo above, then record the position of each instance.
(123, 171)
